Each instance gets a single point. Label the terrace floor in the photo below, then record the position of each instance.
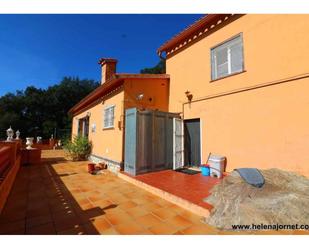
(193, 188)
(60, 197)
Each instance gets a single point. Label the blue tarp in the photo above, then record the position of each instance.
(252, 176)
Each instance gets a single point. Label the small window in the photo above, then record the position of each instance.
(227, 58)
(109, 117)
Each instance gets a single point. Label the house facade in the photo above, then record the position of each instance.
(100, 116)
(241, 83)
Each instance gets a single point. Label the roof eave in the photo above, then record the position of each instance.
(189, 31)
(109, 85)
(94, 95)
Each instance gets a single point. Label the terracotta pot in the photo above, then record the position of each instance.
(91, 167)
(103, 165)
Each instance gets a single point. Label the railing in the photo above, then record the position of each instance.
(5, 160)
(9, 165)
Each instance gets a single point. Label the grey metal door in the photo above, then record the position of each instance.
(130, 141)
(148, 141)
(192, 142)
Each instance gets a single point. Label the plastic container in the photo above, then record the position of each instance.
(205, 170)
(217, 165)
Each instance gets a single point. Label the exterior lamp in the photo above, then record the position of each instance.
(140, 96)
(10, 134)
(189, 96)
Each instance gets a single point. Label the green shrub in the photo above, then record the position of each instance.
(79, 149)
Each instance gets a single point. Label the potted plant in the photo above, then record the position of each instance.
(79, 149)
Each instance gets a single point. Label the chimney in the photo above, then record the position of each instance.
(108, 68)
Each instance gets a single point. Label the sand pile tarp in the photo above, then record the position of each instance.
(284, 199)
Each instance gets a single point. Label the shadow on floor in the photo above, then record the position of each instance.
(40, 203)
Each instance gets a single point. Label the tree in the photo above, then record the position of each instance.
(39, 112)
(157, 69)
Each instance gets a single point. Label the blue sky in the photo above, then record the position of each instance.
(40, 50)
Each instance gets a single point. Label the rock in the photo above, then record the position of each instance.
(284, 199)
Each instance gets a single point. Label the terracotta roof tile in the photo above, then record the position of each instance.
(189, 31)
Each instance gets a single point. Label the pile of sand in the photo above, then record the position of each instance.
(284, 199)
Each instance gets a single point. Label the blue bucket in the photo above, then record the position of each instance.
(205, 170)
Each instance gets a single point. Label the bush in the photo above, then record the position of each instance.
(79, 149)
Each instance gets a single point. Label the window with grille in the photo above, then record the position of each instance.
(227, 58)
(108, 121)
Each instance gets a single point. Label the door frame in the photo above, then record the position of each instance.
(174, 143)
(201, 141)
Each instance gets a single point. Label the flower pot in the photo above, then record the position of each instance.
(91, 167)
(29, 143)
(103, 165)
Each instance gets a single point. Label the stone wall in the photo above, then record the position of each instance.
(112, 165)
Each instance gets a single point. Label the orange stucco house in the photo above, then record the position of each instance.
(101, 115)
(241, 84)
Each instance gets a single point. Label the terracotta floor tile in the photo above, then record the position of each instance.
(84, 206)
(146, 232)
(17, 232)
(118, 218)
(261, 232)
(140, 200)
(127, 205)
(90, 229)
(67, 223)
(132, 195)
(102, 203)
(38, 212)
(46, 229)
(164, 213)
(286, 232)
(191, 217)
(117, 198)
(95, 198)
(175, 208)
(101, 224)
(59, 214)
(61, 207)
(163, 203)
(38, 220)
(179, 222)
(301, 232)
(150, 206)
(12, 216)
(234, 233)
(82, 201)
(130, 227)
(199, 229)
(137, 211)
(148, 220)
(77, 230)
(163, 229)
(109, 231)
(11, 227)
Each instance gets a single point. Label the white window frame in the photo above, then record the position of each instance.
(213, 59)
(110, 123)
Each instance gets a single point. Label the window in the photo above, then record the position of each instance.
(227, 58)
(109, 117)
